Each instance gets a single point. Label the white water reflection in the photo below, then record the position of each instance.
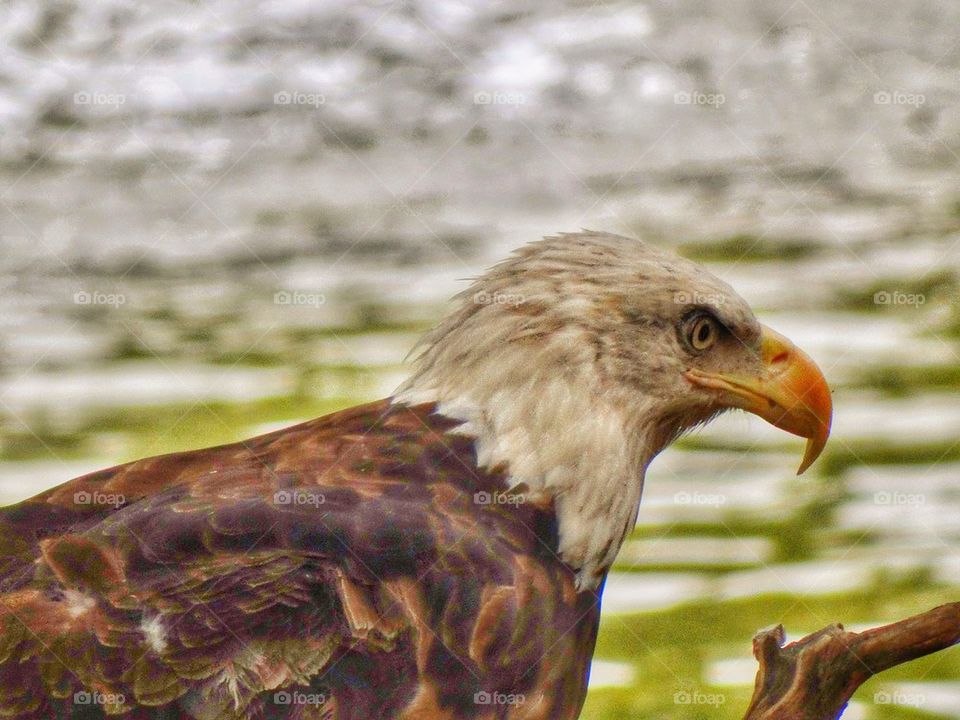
(634, 592)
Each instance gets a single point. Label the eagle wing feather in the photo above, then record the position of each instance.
(341, 568)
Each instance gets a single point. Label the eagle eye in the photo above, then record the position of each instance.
(701, 331)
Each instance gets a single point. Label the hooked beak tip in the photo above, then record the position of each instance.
(790, 392)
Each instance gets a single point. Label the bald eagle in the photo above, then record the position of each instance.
(436, 555)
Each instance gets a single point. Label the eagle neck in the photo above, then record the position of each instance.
(582, 453)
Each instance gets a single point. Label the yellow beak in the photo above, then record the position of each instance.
(790, 392)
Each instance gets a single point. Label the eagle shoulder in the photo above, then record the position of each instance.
(349, 563)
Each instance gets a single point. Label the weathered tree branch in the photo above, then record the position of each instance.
(814, 678)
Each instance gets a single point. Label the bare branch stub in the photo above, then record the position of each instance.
(814, 678)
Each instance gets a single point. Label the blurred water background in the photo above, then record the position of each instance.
(218, 218)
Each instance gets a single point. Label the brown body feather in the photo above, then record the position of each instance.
(342, 568)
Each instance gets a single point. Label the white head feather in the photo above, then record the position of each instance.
(564, 363)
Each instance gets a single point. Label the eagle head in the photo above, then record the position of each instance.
(579, 358)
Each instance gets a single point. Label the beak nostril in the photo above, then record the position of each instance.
(780, 358)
